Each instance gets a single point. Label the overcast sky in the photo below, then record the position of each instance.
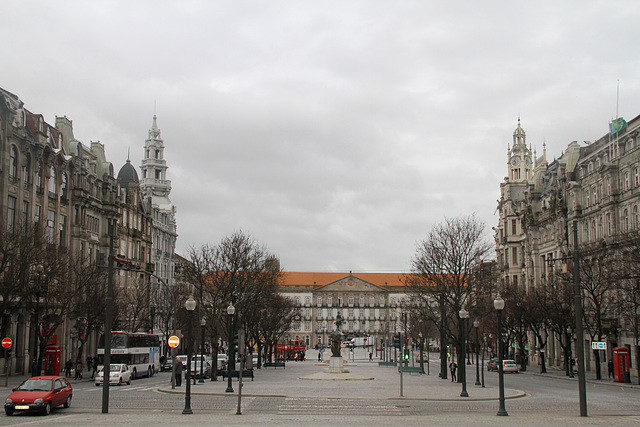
(336, 133)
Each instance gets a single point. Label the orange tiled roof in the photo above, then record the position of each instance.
(321, 279)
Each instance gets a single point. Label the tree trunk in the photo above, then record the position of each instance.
(443, 356)
(596, 355)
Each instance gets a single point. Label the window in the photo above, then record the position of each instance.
(636, 219)
(37, 214)
(587, 199)
(608, 224)
(25, 213)
(63, 230)
(636, 177)
(51, 223)
(350, 301)
(595, 195)
(53, 183)
(381, 301)
(626, 181)
(307, 301)
(513, 227)
(11, 214)
(608, 186)
(63, 186)
(26, 171)
(514, 255)
(13, 164)
(319, 301)
(329, 301)
(339, 301)
(625, 219)
(361, 302)
(372, 302)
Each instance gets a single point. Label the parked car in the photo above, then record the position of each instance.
(118, 373)
(39, 394)
(195, 368)
(167, 365)
(509, 366)
(222, 362)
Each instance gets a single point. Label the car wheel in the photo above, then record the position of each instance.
(120, 381)
(47, 408)
(67, 402)
(8, 412)
(129, 382)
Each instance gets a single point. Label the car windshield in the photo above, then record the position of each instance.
(36, 385)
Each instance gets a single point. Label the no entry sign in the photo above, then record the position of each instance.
(6, 342)
(173, 341)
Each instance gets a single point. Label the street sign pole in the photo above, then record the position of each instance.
(6, 344)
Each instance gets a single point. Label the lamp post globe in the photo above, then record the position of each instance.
(498, 304)
(190, 305)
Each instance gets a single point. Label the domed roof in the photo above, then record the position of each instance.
(127, 175)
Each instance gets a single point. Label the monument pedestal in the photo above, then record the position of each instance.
(336, 365)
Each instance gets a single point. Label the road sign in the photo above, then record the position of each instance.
(173, 341)
(6, 342)
(598, 345)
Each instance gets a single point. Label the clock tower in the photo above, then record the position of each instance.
(519, 157)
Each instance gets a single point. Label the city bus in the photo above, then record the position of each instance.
(138, 350)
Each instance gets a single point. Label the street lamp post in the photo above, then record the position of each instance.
(464, 315)
(476, 323)
(421, 355)
(190, 305)
(498, 304)
(203, 323)
(36, 347)
(231, 364)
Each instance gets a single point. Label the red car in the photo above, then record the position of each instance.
(39, 394)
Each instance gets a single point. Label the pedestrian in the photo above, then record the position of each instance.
(319, 356)
(89, 363)
(452, 368)
(95, 366)
(610, 366)
(370, 356)
(78, 370)
(67, 368)
(179, 370)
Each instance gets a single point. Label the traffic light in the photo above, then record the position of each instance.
(406, 354)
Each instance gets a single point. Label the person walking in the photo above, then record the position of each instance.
(452, 368)
(78, 370)
(89, 361)
(179, 370)
(95, 366)
(67, 368)
(370, 356)
(610, 366)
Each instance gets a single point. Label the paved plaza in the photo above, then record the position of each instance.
(377, 401)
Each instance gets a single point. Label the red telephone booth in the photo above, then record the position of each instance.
(621, 365)
(52, 360)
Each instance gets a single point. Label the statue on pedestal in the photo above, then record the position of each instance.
(336, 338)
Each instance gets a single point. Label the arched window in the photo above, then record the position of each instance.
(39, 176)
(636, 220)
(63, 186)
(13, 164)
(26, 171)
(53, 183)
(625, 217)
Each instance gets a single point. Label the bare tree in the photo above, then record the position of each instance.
(441, 271)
